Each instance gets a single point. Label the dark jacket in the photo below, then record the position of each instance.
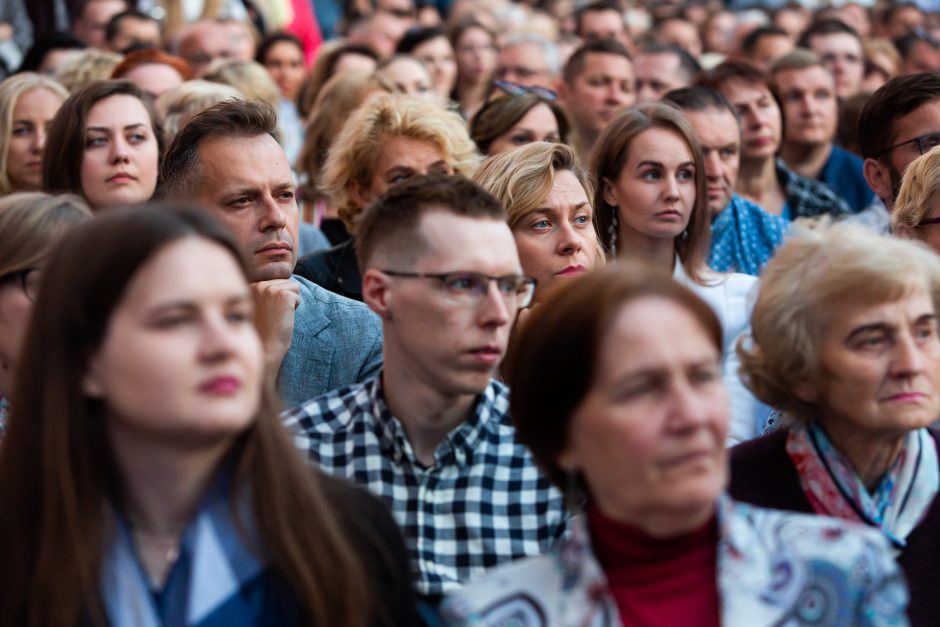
(762, 474)
(335, 269)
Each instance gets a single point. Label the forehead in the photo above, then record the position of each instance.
(657, 61)
(835, 42)
(406, 67)
(118, 110)
(539, 115)
(714, 126)
(401, 150)
(844, 315)
(804, 77)
(739, 91)
(605, 17)
(661, 145)
(604, 63)
(524, 51)
(461, 243)
(233, 161)
(921, 121)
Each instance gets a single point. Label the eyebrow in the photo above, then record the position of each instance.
(884, 327)
(189, 304)
(660, 165)
(104, 129)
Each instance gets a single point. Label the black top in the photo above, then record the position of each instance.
(762, 474)
(334, 269)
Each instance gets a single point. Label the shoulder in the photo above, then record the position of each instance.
(329, 413)
(333, 305)
(318, 265)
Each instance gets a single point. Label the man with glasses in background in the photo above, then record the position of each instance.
(900, 122)
(431, 433)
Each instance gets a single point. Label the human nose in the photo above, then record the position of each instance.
(39, 140)
(119, 150)
(494, 309)
(908, 358)
(568, 240)
(273, 217)
(216, 341)
(712, 165)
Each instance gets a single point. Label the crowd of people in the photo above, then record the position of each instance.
(469, 312)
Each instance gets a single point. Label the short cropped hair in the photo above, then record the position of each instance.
(390, 224)
(895, 99)
(728, 71)
(114, 24)
(919, 187)
(797, 59)
(598, 6)
(699, 98)
(182, 167)
(749, 43)
(687, 63)
(828, 26)
(548, 49)
(814, 269)
(578, 58)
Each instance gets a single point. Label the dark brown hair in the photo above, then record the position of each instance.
(576, 62)
(65, 144)
(501, 113)
(895, 99)
(611, 153)
(552, 360)
(395, 216)
(57, 467)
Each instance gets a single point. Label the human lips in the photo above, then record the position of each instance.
(121, 177)
(488, 354)
(224, 385)
(905, 397)
(573, 270)
(275, 248)
(671, 215)
(693, 456)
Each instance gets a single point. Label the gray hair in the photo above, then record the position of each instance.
(548, 50)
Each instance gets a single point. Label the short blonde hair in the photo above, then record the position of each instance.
(87, 66)
(177, 106)
(353, 154)
(31, 223)
(818, 266)
(248, 77)
(10, 91)
(919, 187)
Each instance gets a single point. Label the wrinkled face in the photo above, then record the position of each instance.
(656, 74)
(655, 192)
(523, 64)
(154, 79)
(121, 156)
(557, 240)
(285, 63)
(451, 346)
(181, 363)
(247, 183)
(648, 438)
(136, 32)
(409, 76)
(719, 136)
(760, 118)
(879, 366)
(538, 125)
(438, 55)
(32, 116)
(604, 88)
(398, 160)
(810, 109)
(476, 55)
(843, 56)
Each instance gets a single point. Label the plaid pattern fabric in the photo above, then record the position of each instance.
(808, 198)
(483, 501)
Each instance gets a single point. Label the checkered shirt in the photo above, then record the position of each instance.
(808, 198)
(483, 502)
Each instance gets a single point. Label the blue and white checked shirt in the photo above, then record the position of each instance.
(483, 502)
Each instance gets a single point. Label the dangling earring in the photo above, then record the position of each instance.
(612, 231)
(685, 234)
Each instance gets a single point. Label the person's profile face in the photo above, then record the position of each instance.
(247, 183)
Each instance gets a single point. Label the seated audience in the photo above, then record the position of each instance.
(227, 160)
(660, 68)
(387, 140)
(547, 196)
(153, 70)
(164, 490)
(476, 50)
(508, 121)
(28, 103)
(105, 145)
(845, 344)
(840, 48)
(616, 389)
(431, 434)
(528, 59)
(177, 106)
(431, 46)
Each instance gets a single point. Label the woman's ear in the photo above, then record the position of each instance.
(91, 382)
(356, 193)
(806, 392)
(610, 197)
(567, 460)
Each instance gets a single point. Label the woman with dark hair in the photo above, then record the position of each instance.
(105, 144)
(334, 59)
(163, 488)
(650, 204)
(282, 55)
(616, 390)
(431, 46)
(476, 50)
(508, 121)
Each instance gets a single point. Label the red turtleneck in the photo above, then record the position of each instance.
(659, 582)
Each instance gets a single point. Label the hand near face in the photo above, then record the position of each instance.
(275, 302)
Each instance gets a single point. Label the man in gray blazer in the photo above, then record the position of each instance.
(227, 159)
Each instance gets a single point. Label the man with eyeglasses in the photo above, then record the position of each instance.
(431, 434)
(900, 122)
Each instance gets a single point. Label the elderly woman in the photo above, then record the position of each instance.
(512, 120)
(845, 344)
(547, 196)
(389, 139)
(617, 391)
(916, 213)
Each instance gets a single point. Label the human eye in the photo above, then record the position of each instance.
(463, 283)
(926, 330)
(137, 137)
(240, 201)
(521, 139)
(685, 174)
(872, 341)
(650, 174)
(931, 141)
(727, 152)
(239, 314)
(21, 130)
(705, 374)
(94, 141)
(635, 388)
(287, 195)
(172, 319)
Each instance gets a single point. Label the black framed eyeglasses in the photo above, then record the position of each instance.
(469, 288)
(28, 278)
(924, 144)
(515, 89)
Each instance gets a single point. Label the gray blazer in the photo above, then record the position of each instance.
(336, 342)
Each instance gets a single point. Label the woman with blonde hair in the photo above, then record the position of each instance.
(844, 342)
(546, 194)
(87, 66)
(389, 139)
(28, 102)
(177, 106)
(916, 212)
(650, 204)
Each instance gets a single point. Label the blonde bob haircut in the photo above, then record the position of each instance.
(353, 155)
(919, 187)
(10, 91)
(522, 178)
(821, 265)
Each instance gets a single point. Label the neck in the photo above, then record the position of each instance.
(471, 95)
(664, 525)
(871, 455)
(757, 181)
(584, 143)
(163, 484)
(806, 159)
(426, 414)
(660, 252)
